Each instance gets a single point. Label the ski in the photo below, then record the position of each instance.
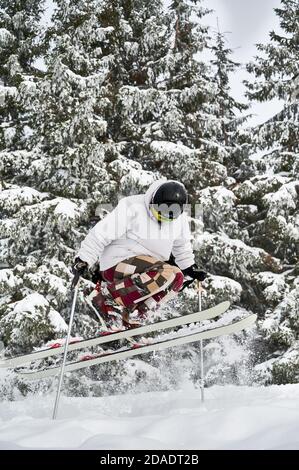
(109, 356)
(107, 337)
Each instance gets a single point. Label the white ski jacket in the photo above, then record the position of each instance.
(131, 230)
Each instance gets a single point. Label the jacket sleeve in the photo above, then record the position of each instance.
(112, 227)
(182, 248)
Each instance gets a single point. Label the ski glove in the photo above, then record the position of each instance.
(195, 273)
(79, 267)
(96, 275)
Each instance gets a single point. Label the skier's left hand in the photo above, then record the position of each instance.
(79, 267)
(195, 273)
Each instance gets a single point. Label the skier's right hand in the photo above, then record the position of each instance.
(79, 267)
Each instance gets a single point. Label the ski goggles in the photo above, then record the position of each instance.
(166, 212)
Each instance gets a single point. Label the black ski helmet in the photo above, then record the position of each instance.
(169, 200)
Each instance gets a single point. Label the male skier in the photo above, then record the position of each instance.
(132, 245)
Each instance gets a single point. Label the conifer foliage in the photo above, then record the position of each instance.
(275, 191)
(67, 166)
(126, 96)
(19, 47)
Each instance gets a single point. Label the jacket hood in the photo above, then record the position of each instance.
(151, 192)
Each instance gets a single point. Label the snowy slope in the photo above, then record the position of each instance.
(231, 418)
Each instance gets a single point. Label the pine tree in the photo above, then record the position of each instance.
(179, 127)
(276, 69)
(228, 112)
(19, 47)
(72, 165)
(188, 74)
(140, 98)
(274, 191)
(125, 99)
(226, 142)
(99, 101)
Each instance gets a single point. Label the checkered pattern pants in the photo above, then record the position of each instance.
(142, 282)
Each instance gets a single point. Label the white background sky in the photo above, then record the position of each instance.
(246, 22)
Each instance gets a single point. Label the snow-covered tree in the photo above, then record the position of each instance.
(228, 112)
(72, 166)
(140, 100)
(275, 192)
(276, 68)
(188, 75)
(177, 128)
(19, 47)
(127, 97)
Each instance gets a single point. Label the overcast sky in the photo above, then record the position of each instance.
(246, 22)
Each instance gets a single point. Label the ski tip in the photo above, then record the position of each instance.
(253, 317)
(225, 304)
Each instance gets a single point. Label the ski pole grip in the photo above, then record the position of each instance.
(199, 286)
(186, 284)
(75, 280)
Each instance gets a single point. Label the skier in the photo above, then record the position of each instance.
(133, 245)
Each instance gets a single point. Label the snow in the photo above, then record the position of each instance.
(66, 208)
(19, 196)
(6, 91)
(143, 178)
(7, 278)
(30, 303)
(261, 153)
(230, 418)
(132, 175)
(282, 201)
(233, 244)
(170, 147)
(5, 36)
(57, 321)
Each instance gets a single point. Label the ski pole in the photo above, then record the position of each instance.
(74, 287)
(202, 382)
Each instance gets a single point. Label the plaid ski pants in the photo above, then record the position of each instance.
(142, 282)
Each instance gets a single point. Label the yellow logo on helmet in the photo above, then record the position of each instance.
(159, 217)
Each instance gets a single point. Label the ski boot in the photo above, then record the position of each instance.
(106, 312)
(133, 319)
